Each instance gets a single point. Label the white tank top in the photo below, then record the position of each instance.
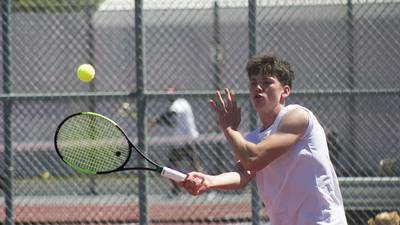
(300, 187)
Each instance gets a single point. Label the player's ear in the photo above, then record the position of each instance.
(286, 91)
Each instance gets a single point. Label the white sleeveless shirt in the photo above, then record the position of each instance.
(300, 187)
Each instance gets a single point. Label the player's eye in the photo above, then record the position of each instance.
(253, 83)
(266, 83)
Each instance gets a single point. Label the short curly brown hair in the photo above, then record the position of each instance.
(271, 65)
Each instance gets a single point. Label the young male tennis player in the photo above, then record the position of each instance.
(287, 154)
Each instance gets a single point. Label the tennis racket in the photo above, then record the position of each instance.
(94, 144)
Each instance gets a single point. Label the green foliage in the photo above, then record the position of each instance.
(54, 5)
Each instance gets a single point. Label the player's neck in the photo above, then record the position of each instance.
(268, 118)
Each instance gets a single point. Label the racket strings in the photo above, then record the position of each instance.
(92, 143)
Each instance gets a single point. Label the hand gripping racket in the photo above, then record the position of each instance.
(94, 144)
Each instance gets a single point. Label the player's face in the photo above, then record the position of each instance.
(265, 92)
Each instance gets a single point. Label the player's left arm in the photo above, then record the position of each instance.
(255, 157)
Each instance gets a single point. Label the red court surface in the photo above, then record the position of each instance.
(160, 213)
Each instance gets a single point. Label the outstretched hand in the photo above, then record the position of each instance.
(227, 111)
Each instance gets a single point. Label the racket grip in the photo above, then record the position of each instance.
(173, 174)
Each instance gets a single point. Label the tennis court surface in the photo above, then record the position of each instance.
(213, 207)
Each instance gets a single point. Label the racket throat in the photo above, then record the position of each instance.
(159, 169)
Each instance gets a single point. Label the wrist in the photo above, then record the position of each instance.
(211, 183)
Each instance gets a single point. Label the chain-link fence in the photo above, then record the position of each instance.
(345, 56)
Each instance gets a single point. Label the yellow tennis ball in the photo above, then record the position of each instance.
(85, 72)
(46, 175)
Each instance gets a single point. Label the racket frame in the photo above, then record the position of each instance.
(164, 171)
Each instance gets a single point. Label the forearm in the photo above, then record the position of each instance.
(229, 181)
(197, 183)
(244, 151)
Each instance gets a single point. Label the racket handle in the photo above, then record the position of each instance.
(173, 174)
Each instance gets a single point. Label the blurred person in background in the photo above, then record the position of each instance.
(180, 118)
(287, 154)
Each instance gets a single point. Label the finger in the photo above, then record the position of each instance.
(198, 180)
(213, 105)
(220, 101)
(190, 179)
(229, 98)
(216, 106)
(233, 98)
(194, 174)
(190, 186)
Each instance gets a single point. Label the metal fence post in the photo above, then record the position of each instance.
(90, 49)
(255, 200)
(141, 106)
(350, 76)
(217, 47)
(7, 108)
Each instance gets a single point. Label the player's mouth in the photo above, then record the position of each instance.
(258, 97)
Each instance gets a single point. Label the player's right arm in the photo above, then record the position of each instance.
(198, 183)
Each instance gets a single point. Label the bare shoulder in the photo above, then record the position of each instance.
(295, 122)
